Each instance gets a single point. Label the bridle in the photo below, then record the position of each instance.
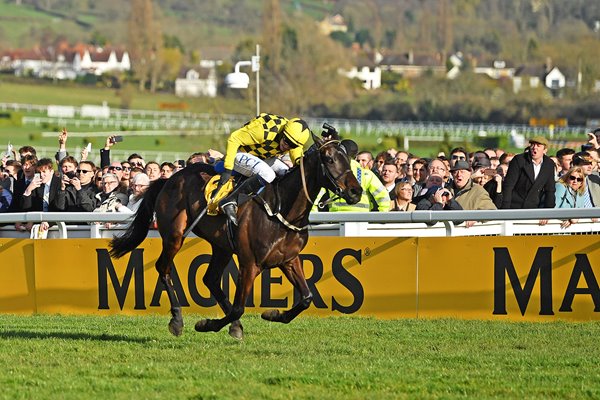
(332, 179)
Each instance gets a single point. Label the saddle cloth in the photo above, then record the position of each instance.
(213, 201)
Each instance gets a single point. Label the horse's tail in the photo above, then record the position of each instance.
(138, 228)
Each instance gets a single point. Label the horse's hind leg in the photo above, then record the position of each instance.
(212, 279)
(294, 272)
(171, 246)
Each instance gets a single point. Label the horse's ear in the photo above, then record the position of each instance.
(318, 141)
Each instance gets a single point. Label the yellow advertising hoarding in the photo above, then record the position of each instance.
(518, 278)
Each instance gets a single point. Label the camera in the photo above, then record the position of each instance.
(329, 131)
(70, 174)
(116, 139)
(587, 146)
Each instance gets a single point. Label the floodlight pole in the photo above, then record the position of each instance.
(256, 68)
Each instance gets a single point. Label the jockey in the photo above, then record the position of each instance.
(252, 151)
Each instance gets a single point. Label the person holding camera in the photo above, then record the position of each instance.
(252, 151)
(78, 190)
(437, 197)
(467, 193)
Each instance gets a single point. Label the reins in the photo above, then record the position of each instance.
(327, 174)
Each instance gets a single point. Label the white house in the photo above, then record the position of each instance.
(197, 82)
(370, 78)
(555, 79)
(99, 61)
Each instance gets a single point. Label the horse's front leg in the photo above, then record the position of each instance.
(294, 272)
(244, 286)
(212, 279)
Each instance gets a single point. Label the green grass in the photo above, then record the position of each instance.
(73, 357)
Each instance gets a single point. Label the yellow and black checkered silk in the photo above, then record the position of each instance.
(259, 137)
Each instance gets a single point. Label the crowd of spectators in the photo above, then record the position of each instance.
(67, 184)
(392, 180)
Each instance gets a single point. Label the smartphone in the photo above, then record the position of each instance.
(489, 171)
(9, 149)
(88, 148)
(37, 175)
(587, 146)
(117, 139)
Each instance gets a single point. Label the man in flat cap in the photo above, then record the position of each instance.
(529, 181)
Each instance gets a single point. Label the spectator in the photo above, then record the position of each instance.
(565, 157)
(28, 165)
(457, 154)
(491, 179)
(529, 182)
(437, 197)
(592, 181)
(27, 151)
(126, 172)
(12, 171)
(139, 185)
(135, 160)
(41, 193)
(470, 196)
(134, 172)
(570, 192)
(438, 167)
(374, 197)
(78, 194)
(98, 179)
(198, 158)
(403, 198)
(506, 158)
(5, 195)
(365, 159)
(153, 170)
(389, 174)
(110, 199)
(401, 160)
(419, 168)
(67, 166)
(166, 170)
(380, 159)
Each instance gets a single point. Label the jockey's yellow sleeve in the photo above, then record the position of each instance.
(259, 137)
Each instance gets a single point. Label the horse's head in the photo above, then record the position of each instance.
(336, 168)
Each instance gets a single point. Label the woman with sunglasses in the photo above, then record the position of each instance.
(570, 192)
(252, 151)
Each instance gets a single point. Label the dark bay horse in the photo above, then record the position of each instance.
(271, 233)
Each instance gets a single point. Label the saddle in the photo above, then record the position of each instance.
(213, 201)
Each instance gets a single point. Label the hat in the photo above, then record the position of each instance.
(540, 140)
(461, 164)
(582, 158)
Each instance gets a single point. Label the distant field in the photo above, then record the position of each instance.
(118, 357)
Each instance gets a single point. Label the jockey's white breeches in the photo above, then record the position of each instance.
(248, 165)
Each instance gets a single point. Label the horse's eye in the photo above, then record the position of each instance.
(329, 160)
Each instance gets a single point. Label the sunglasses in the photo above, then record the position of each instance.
(98, 179)
(137, 164)
(117, 168)
(83, 171)
(459, 157)
(126, 168)
(573, 178)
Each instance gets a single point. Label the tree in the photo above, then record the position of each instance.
(145, 43)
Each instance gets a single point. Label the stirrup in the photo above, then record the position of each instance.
(230, 210)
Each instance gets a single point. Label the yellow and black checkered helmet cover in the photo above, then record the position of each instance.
(296, 130)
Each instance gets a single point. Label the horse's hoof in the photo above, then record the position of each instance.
(271, 315)
(202, 325)
(236, 332)
(176, 327)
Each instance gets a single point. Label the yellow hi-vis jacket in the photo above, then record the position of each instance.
(372, 189)
(259, 137)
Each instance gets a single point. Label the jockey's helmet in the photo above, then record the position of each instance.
(296, 132)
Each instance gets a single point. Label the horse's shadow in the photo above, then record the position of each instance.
(103, 337)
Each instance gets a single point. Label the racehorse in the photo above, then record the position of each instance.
(272, 230)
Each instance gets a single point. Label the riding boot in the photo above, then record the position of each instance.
(229, 203)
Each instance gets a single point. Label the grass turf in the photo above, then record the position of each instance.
(50, 356)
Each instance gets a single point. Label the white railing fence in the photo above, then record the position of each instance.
(393, 224)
